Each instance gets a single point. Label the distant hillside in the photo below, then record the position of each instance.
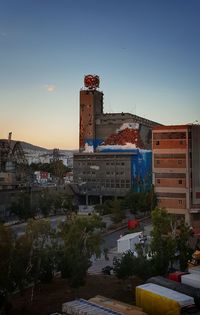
(29, 146)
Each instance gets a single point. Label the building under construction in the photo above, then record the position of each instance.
(13, 165)
(114, 148)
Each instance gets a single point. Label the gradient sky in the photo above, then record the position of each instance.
(146, 52)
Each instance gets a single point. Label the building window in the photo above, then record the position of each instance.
(198, 195)
(158, 162)
(180, 182)
(157, 142)
(158, 181)
(180, 202)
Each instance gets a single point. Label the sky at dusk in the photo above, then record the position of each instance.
(146, 52)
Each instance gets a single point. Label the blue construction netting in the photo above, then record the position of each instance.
(93, 142)
(141, 171)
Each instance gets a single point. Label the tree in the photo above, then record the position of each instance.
(184, 250)
(21, 206)
(6, 248)
(169, 242)
(82, 238)
(169, 237)
(162, 246)
(124, 266)
(42, 254)
(104, 208)
(133, 264)
(45, 203)
(117, 212)
(112, 207)
(138, 202)
(20, 263)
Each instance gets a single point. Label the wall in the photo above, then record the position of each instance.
(108, 124)
(195, 164)
(170, 168)
(91, 104)
(112, 173)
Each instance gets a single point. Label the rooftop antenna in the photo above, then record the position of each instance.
(9, 136)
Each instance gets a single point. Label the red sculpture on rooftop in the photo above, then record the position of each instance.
(91, 81)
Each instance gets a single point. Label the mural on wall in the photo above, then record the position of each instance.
(127, 137)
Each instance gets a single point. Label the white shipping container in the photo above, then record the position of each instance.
(195, 270)
(128, 241)
(191, 279)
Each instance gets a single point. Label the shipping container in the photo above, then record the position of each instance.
(177, 286)
(191, 279)
(128, 242)
(176, 276)
(157, 300)
(194, 270)
(123, 308)
(81, 306)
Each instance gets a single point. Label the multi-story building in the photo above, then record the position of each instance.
(176, 170)
(112, 173)
(110, 162)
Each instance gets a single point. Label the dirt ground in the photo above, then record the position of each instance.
(48, 298)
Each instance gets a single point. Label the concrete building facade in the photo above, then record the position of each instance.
(176, 170)
(112, 173)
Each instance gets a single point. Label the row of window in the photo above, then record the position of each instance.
(108, 173)
(116, 163)
(114, 173)
(170, 156)
(178, 161)
(169, 135)
(170, 175)
(102, 182)
(180, 142)
(106, 185)
(180, 201)
(180, 182)
(90, 163)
